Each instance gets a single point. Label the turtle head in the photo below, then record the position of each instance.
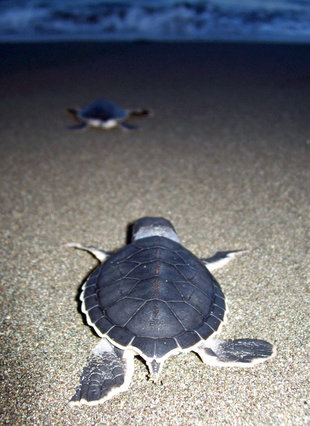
(154, 226)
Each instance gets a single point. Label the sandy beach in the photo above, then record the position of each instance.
(225, 156)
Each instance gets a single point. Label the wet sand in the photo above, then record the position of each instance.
(225, 157)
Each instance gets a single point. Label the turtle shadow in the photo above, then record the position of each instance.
(129, 232)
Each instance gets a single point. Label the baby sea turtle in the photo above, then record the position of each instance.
(154, 298)
(105, 114)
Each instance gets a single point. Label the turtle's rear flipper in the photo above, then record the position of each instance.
(235, 353)
(108, 373)
(126, 126)
(80, 126)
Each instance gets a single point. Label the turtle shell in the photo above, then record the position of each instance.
(155, 296)
(102, 109)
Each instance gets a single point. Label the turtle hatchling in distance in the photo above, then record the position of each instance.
(104, 114)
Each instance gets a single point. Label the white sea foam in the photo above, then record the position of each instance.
(155, 20)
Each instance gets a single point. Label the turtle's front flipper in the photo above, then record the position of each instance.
(235, 353)
(80, 126)
(221, 258)
(108, 373)
(99, 253)
(139, 112)
(73, 111)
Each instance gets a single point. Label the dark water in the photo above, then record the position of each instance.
(255, 20)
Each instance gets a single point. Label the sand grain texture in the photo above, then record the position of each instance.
(225, 157)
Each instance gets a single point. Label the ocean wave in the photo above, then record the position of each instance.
(191, 20)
